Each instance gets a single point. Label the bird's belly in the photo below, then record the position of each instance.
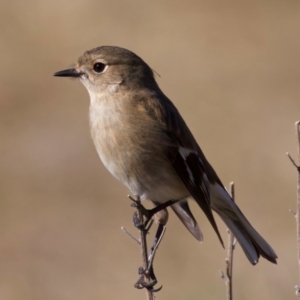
(144, 172)
(135, 156)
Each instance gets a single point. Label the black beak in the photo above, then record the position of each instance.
(68, 73)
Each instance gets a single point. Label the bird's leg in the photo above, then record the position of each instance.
(161, 218)
(157, 240)
(148, 213)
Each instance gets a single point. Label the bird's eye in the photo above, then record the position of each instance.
(99, 67)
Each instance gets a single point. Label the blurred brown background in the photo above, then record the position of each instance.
(231, 67)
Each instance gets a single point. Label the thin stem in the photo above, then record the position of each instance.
(297, 213)
(298, 196)
(129, 234)
(298, 203)
(230, 248)
(144, 249)
(231, 242)
(142, 219)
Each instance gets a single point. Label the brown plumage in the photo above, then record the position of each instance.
(143, 141)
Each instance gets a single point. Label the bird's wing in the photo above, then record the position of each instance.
(203, 183)
(185, 156)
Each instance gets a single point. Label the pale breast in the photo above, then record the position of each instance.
(130, 145)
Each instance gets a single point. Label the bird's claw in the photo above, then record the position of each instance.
(141, 224)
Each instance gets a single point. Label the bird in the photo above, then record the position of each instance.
(145, 143)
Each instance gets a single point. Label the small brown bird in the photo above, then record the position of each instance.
(144, 142)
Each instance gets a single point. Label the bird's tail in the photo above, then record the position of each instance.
(184, 213)
(252, 243)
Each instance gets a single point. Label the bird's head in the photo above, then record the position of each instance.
(109, 67)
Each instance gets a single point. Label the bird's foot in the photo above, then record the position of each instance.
(147, 214)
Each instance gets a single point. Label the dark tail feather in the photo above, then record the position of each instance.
(183, 212)
(252, 243)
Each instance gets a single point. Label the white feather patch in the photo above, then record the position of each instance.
(184, 153)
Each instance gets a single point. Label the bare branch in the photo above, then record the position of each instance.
(144, 276)
(293, 162)
(129, 234)
(231, 245)
(231, 242)
(297, 214)
(142, 219)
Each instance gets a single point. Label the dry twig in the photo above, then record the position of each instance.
(297, 213)
(147, 277)
(231, 242)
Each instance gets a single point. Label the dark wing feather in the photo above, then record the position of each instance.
(198, 176)
(184, 154)
(192, 173)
